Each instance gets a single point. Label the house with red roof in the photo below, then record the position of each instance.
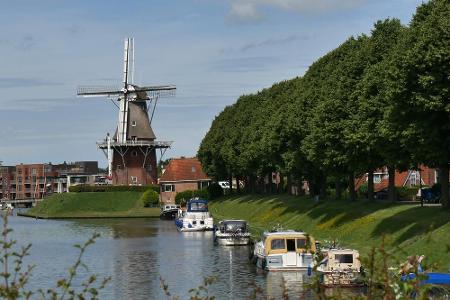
(426, 177)
(182, 174)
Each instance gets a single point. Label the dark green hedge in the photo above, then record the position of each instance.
(407, 193)
(183, 197)
(112, 188)
(214, 191)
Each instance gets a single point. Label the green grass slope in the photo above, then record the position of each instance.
(92, 205)
(407, 230)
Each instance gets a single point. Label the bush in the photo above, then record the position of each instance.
(407, 193)
(112, 188)
(202, 194)
(363, 190)
(215, 190)
(183, 197)
(149, 198)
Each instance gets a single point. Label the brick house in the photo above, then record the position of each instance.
(428, 176)
(182, 174)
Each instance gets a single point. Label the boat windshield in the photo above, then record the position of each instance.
(235, 226)
(198, 207)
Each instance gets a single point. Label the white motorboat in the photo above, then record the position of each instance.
(169, 211)
(196, 217)
(231, 233)
(285, 250)
(340, 267)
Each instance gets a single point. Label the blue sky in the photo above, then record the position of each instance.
(213, 50)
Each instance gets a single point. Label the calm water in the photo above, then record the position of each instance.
(137, 252)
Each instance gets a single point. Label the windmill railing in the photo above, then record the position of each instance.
(156, 144)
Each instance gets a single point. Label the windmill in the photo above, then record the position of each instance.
(131, 151)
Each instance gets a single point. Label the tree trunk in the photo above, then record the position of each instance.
(270, 183)
(238, 185)
(391, 187)
(338, 188)
(289, 184)
(351, 187)
(370, 186)
(230, 182)
(281, 184)
(444, 169)
(323, 186)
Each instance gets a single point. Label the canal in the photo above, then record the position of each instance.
(136, 253)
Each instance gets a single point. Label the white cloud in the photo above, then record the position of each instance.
(250, 10)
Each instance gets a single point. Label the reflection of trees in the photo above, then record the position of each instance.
(118, 228)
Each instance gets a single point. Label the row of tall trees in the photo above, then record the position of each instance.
(376, 100)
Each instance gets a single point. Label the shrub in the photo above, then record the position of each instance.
(112, 188)
(183, 197)
(407, 193)
(363, 190)
(202, 194)
(215, 190)
(149, 198)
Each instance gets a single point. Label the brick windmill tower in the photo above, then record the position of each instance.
(131, 151)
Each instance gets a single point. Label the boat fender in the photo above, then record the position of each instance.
(362, 271)
(263, 264)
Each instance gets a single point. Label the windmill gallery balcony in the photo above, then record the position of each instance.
(154, 144)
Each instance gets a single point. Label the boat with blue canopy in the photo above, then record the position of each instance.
(196, 217)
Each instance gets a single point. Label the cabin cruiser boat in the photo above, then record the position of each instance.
(6, 207)
(169, 211)
(340, 267)
(231, 233)
(285, 251)
(195, 218)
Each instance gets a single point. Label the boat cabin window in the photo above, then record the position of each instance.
(301, 243)
(278, 244)
(290, 245)
(235, 226)
(198, 206)
(344, 258)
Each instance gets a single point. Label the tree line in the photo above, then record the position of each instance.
(381, 99)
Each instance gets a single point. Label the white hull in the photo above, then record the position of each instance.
(192, 229)
(261, 262)
(233, 241)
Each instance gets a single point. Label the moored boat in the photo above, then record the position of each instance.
(285, 250)
(231, 233)
(195, 218)
(169, 211)
(340, 267)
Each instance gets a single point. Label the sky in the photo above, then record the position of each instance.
(212, 50)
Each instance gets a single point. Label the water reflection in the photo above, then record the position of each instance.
(137, 252)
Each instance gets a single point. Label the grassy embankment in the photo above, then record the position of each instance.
(360, 225)
(93, 205)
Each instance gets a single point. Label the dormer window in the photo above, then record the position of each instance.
(193, 169)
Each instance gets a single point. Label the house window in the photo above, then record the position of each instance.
(134, 153)
(133, 180)
(202, 184)
(412, 179)
(377, 178)
(33, 171)
(133, 123)
(193, 169)
(168, 188)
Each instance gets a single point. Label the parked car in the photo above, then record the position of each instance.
(224, 184)
(382, 194)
